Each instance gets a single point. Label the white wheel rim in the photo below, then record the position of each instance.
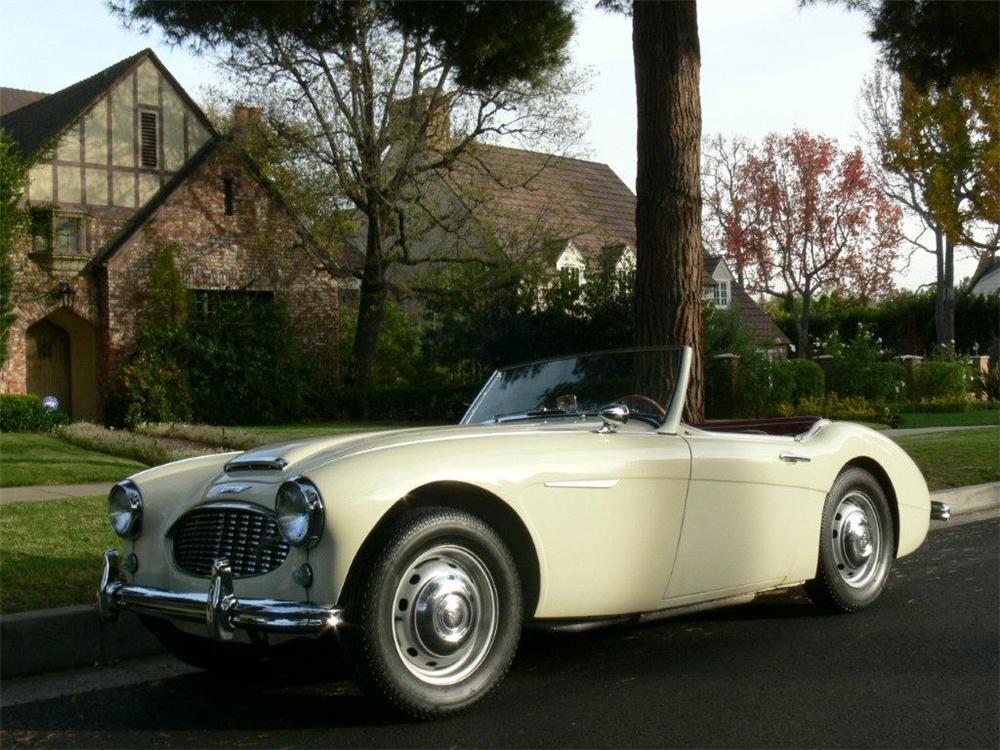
(444, 615)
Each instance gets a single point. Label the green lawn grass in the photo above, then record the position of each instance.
(50, 552)
(956, 458)
(34, 458)
(949, 419)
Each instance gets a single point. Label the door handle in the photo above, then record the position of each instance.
(793, 458)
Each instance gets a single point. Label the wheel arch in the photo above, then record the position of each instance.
(473, 500)
(874, 468)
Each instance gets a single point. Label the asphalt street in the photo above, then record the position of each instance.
(919, 669)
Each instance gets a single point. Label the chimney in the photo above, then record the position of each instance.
(246, 120)
(408, 114)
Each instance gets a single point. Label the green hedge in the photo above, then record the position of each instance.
(804, 378)
(25, 413)
(440, 405)
(933, 380)
(847, 408)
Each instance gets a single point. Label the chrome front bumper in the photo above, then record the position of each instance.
(221, 611)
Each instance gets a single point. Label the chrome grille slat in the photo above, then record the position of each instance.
(236, 533)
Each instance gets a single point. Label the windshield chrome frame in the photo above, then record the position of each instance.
(671, 421)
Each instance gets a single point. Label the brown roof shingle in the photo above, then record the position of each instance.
(573, 199)
(11, 99)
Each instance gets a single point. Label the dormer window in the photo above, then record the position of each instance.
(721, 294)
(570, 277)
(149, 150)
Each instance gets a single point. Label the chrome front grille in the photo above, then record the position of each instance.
(245, 535)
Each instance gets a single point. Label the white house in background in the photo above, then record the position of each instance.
(986, 278)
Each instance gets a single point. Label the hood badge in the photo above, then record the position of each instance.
(230, 488)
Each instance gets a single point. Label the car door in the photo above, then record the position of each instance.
(608, 516)
(748, 511)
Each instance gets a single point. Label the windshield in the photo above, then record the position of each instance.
(580, 384)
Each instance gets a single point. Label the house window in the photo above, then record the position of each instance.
(571, 276)
(147, 134)
(721, 292)
(68, 233)
(52, 233)
(228, 195)
(208, 302)
(41, 230)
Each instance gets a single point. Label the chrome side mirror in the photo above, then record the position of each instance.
(613, 416)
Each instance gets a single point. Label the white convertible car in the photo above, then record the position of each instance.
(564, 498)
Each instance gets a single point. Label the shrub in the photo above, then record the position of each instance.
(940, 380)
(126, 444)
(805, 380)
(986, 385)
(222, 437)
(25, 413)
(848, 408)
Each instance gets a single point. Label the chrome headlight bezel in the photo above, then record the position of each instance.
(125, 509)
(299, 512)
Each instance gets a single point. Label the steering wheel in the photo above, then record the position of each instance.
(655, 407)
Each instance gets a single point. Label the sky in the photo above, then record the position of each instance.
(767, 66)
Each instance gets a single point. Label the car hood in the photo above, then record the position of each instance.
(300, 456)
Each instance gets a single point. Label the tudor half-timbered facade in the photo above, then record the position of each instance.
(125, 163)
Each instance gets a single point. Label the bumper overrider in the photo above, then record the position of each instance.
(220, 609)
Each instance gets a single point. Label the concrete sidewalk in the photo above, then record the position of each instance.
(52, 492)
(927, 430)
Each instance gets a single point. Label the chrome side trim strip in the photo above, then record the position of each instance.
(220, 610)
(596, 484)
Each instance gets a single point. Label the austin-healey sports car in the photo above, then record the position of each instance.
(567, 497)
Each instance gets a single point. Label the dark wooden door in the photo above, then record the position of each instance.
(49, 372)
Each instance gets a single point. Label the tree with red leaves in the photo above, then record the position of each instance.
(810, 219)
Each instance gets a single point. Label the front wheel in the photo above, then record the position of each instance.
(438, 613)
(856, 545)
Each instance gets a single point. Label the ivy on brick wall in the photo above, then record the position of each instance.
(13, 224)
(216, 356)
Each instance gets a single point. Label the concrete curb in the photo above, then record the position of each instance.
(971, 499)
(50, 640)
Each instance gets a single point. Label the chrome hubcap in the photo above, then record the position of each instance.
(445, 615)
(856, 533)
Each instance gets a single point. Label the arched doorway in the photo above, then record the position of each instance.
(62, 362)
(49, 372)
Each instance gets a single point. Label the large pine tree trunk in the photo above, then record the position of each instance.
(944, 313)
(668, 185)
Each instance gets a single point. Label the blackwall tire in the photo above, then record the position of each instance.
(438, 616)
(856, 546)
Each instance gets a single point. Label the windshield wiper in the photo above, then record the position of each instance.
(532, 414)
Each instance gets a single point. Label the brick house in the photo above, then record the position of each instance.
(124, 163)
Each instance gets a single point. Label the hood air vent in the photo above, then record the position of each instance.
(253, 463)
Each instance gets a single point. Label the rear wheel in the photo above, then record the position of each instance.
(856, 544)
(438, 614)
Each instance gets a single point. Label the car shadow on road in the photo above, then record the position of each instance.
(292, 701)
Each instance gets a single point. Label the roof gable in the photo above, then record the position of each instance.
(38, 124)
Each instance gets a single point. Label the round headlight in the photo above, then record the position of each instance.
(125, 509)
(299, 511)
